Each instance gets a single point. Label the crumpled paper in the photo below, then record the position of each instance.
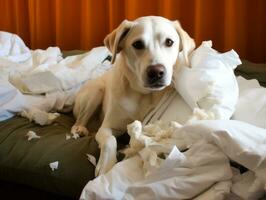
(54, 165)
(32, 135)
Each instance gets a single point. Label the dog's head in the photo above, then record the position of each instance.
(150, 46)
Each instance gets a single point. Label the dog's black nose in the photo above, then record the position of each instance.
(155, 73)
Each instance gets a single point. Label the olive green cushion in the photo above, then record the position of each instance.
(251, 70)
(27, 162)
(72, 53)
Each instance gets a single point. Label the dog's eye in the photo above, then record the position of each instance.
(169, 42)
(138, 45)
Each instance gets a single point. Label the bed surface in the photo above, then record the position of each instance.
(27, 162)
(251, 70)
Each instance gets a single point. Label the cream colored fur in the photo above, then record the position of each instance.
(123, 92)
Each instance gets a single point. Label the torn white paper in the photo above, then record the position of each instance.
(32, 135)
(218, 191)
(202, 171)
(54, 165)
(210, 81)
(152, 135)
(43, 75)
(68, 136)
(39, 116)
(91, 158)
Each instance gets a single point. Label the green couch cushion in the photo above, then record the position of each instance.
(27, 162)
(72, 53)
(251, 70)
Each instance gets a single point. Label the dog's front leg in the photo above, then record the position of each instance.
(86, 102)
(108, 145)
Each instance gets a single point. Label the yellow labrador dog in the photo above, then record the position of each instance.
(145, 52)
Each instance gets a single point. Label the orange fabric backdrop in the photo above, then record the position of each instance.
(83, 24)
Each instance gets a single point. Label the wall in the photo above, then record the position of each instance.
(83, 24)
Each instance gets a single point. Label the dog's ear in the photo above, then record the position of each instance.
(187, 44)
(112, 40)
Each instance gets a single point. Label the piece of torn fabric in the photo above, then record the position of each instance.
(92, 159)
(182, 176)
(32, 135)
(11, 100)
(218, 191)
(210, 83)
(13, 48)
(247, 110)
(68, 136)
(203, 171)
(54, 165)
(247, 186)
(49, 90)
(39, 83)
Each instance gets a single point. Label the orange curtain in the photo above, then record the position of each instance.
(83, 24)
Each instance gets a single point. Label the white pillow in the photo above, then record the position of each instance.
(13, 48)
(251, 106)
(210, 83)
(12, 101)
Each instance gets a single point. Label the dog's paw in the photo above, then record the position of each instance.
(106, 162)
(80, 130)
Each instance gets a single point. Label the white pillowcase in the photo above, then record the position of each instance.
(11, 100)
(251, 106)
(13, 48)
(210, 83)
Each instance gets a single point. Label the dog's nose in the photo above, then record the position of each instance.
(155, 72)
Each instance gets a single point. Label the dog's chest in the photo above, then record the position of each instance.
(136, 106)
(128, 104)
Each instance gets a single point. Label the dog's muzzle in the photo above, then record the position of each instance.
(155, 76)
